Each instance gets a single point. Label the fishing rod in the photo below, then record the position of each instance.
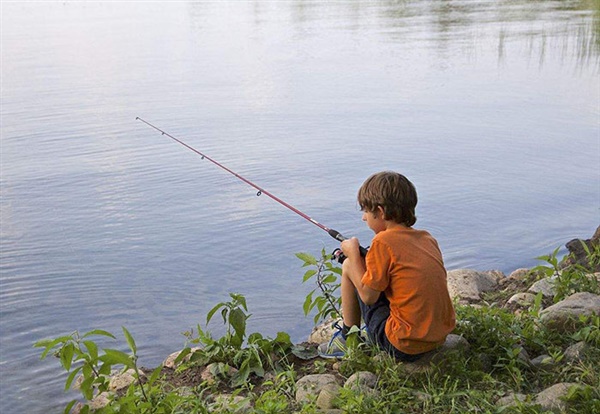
(333, 233)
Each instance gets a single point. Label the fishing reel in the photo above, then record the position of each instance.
(339, 256)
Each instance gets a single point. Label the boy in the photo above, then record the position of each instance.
(400, 288)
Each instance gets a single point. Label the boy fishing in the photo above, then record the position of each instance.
(399, 289)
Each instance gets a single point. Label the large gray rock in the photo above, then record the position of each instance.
(360, 380)
(551, 398)
(310, 386)
(323, 332)
(453, 343)
(468, 285)
(564, 316)
(327, 396)
(546, 286)
(578, 255)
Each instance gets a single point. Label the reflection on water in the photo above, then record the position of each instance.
(490, 107)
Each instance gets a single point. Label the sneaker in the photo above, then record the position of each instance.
(336, 347)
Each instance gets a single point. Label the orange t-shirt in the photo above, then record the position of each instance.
(407, 265)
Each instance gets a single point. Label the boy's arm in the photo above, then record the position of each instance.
(355, 268)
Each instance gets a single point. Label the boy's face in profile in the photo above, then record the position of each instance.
(374, 220)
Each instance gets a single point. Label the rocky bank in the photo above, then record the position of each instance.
(516, 292)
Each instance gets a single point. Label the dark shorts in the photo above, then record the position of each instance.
(375, 316)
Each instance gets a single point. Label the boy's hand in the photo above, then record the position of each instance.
(350, 247)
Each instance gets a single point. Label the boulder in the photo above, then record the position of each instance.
(546, 286)
(309, 387)
(551, 398)
(170, 361)
(122, 380)
(468, 285)
(453, 343)
(98, 402)
(520, 274)
(564, 316)
(361, 381)
(578, 255)
(327, 396)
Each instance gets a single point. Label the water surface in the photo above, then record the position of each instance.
(490, 107)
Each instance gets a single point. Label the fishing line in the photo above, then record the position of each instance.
(333, 233)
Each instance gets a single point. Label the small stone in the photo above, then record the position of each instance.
(575, 352)
(170, 361)
(543, 362)
(511, 400)
(422, 396)
(520, 274)
(231, 403)
(522, 299)
(216, 370)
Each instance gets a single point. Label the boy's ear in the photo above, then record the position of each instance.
(380, 211)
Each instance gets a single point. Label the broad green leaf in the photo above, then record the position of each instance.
(309, 273)
(237, 319)
(305, 352)
(114, 356)
(283, 338)
(155, 375)
(66, 355)
(71, 377)
(308, 303)
(87, 389)
(99, 332)
(92, 349)
(329, 279)
(69, 407)
(210, 313)
(130, 340)
(184, 352)
(105, 368)
(255, 338)
(238, 299)
(308, 259)
(52, 343)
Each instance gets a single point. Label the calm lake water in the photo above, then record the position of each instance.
(490, 107)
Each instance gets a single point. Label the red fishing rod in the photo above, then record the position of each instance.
(333, 233)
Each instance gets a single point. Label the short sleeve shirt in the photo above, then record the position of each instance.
(406, 264)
